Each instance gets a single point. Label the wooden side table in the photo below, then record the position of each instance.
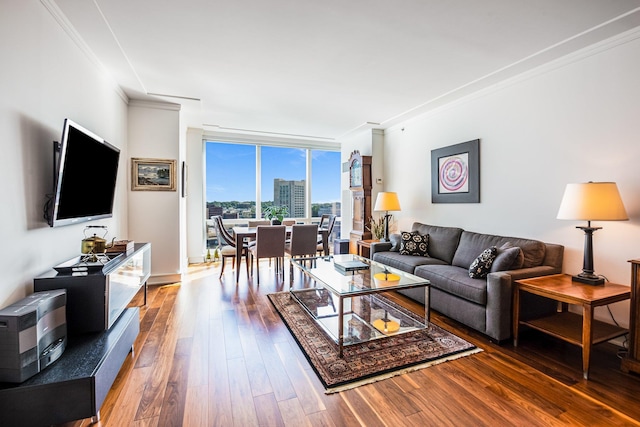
(582, 330)
(364, 247)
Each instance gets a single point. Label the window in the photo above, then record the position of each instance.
(242, 179)
(283, 179)
(325, 183)
(231, 180)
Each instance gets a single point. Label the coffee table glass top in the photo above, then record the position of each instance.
(349, 305)
(376, 278)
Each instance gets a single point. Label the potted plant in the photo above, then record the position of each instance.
(376, 227)
(276, 213)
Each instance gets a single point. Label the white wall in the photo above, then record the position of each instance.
(45, 76)
(576, 120)
(154, 216)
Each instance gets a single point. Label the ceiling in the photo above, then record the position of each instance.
(325, 69)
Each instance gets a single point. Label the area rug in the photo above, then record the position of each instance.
(364, 363)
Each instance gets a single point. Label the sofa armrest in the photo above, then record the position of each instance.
(379, 247)
(500, 295)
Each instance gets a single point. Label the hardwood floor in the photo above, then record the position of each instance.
(211, 353)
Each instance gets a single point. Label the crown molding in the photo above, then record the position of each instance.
(73, 34)
(158, 105)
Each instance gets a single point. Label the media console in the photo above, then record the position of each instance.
(97, 296)
(101, 333)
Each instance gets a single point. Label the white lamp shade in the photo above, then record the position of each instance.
(387, 201)
(592, 201)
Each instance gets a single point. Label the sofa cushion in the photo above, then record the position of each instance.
(413, 243)
(395, 240)
(471, 244)
(481, 266)
(455, 281)
(443, 241)
(406, 263)
(508, 258)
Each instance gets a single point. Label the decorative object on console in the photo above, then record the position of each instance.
(153, 175)
(455, 173)
(387, 201)
(119, 246)
(95, 245)
(591, 201)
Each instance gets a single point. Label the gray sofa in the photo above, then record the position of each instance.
(483, 304)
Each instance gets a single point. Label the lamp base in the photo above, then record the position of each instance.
(588, 279)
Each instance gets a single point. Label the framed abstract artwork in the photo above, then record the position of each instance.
(153, 175)
(455, 173)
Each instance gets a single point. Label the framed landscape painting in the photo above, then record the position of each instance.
(153, 174)
(455, 173)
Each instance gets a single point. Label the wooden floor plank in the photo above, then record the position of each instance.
(282, 387)
(293, 414)
(256, 369)
(196, 406)
(125, 412)
(268, 411)
(172, 412)
(299, 376)
(243, 408)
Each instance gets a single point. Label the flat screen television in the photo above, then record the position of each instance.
(85, 170)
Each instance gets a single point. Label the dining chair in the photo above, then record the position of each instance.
(269, 244)
(227, 244)
(303, 243)
(289, 222)
(330, 223)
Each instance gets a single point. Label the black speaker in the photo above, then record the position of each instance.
(33, 334)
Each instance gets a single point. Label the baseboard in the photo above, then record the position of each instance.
(195, 260)
(163, 279)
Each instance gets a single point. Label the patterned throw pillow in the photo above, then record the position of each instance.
(414, 244)
(481, 266)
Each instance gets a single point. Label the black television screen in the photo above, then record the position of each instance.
(85, 186)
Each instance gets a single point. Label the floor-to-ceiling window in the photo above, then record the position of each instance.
(231, 180)
(283, 179)
(325, 186)
(242, 179)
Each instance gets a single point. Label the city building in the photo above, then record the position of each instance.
(290, 194)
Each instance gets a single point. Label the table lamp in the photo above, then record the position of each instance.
(591, 201)
(387, 201)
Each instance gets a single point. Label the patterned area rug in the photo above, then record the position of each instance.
(372, 361)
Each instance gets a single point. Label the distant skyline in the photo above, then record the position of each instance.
(230, 171)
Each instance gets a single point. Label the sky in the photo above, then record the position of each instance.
(231, 172)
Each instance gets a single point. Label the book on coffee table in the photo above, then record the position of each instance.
(347, 266)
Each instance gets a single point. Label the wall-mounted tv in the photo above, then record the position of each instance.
(85, 171)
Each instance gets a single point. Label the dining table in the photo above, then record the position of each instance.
(242, 233)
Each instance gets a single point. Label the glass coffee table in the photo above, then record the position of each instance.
(346, 298)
